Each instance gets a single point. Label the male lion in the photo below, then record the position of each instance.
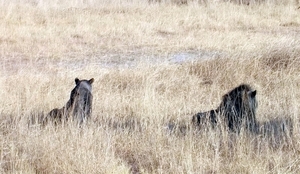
(79, 105)
(238, 107)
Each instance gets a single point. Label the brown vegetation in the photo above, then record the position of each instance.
(129, 48)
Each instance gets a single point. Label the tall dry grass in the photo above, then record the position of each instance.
(138, 90)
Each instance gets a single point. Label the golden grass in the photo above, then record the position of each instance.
(45, 45)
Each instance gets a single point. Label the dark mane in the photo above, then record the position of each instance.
(233, 92)
(237, 108)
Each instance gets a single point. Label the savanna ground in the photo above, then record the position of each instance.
(139, 55)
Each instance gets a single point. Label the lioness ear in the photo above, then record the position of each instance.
(77, 81)
(91, 80)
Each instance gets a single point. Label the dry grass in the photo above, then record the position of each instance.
(128, 47)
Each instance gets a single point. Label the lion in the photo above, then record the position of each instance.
(79, 106)
(238, 107)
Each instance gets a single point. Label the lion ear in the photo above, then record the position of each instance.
(91, 80)
(77, 81)
(252, 94)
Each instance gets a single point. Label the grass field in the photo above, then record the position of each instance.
(129, 48)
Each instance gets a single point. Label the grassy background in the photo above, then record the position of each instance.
(44, 45)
